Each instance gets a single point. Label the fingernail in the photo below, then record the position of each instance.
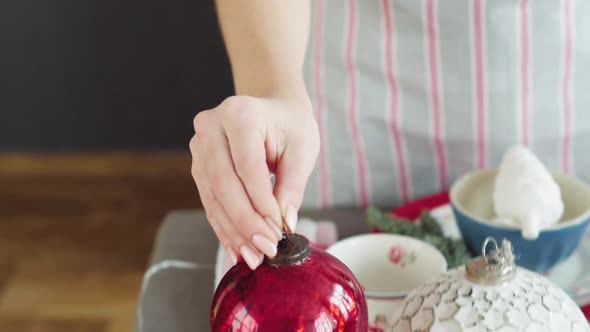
(260, 259)
(291, 217)
(249, 256)
(232, 255)
(265, 245)
(274, 228)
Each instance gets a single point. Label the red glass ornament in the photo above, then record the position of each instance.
(302, 289)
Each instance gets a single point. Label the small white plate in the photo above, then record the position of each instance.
(572, 275)
(388, 266)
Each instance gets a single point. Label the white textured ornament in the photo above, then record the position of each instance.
(489, 294)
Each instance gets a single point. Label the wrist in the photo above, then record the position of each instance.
(272, 85)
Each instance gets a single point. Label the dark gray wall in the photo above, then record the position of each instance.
(97, 74)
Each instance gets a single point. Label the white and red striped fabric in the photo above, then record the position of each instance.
(411, 94)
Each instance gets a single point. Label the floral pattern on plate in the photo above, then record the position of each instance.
(379, 325)
(399, 255)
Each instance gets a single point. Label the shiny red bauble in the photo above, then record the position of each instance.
(302, 289)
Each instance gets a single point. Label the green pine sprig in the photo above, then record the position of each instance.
(426, 229)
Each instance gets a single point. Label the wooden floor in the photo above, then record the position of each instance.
(76, 233)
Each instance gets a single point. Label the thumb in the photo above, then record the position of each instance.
(292, 173)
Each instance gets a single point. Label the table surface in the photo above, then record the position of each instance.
(178, 299)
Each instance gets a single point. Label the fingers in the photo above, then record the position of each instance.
(294, 168)
(211, 208)
(219, 176)
(222, 227)
(235, 147)
(247, 147)
(232, 240)
(227, 188)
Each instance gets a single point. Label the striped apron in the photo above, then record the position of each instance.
(411, 94)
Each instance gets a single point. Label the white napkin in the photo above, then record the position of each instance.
(525, 193)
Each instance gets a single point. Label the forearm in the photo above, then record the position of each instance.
(266, 42)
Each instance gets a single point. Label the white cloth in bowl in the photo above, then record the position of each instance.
(525, 194)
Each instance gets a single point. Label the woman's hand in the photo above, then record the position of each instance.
(235, 149)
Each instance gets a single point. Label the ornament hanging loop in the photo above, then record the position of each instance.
(286, 229)
(487, 241)
(492, 267)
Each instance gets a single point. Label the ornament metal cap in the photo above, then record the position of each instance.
(495, 267)
(292, 249)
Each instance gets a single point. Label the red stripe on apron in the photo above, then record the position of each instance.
(566, 86)
(393, 104)
(434, 87)
(524, 73)
(353, 104)
(324, 176)
(479, 83)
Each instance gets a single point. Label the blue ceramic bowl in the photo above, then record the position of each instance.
(471, 199)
